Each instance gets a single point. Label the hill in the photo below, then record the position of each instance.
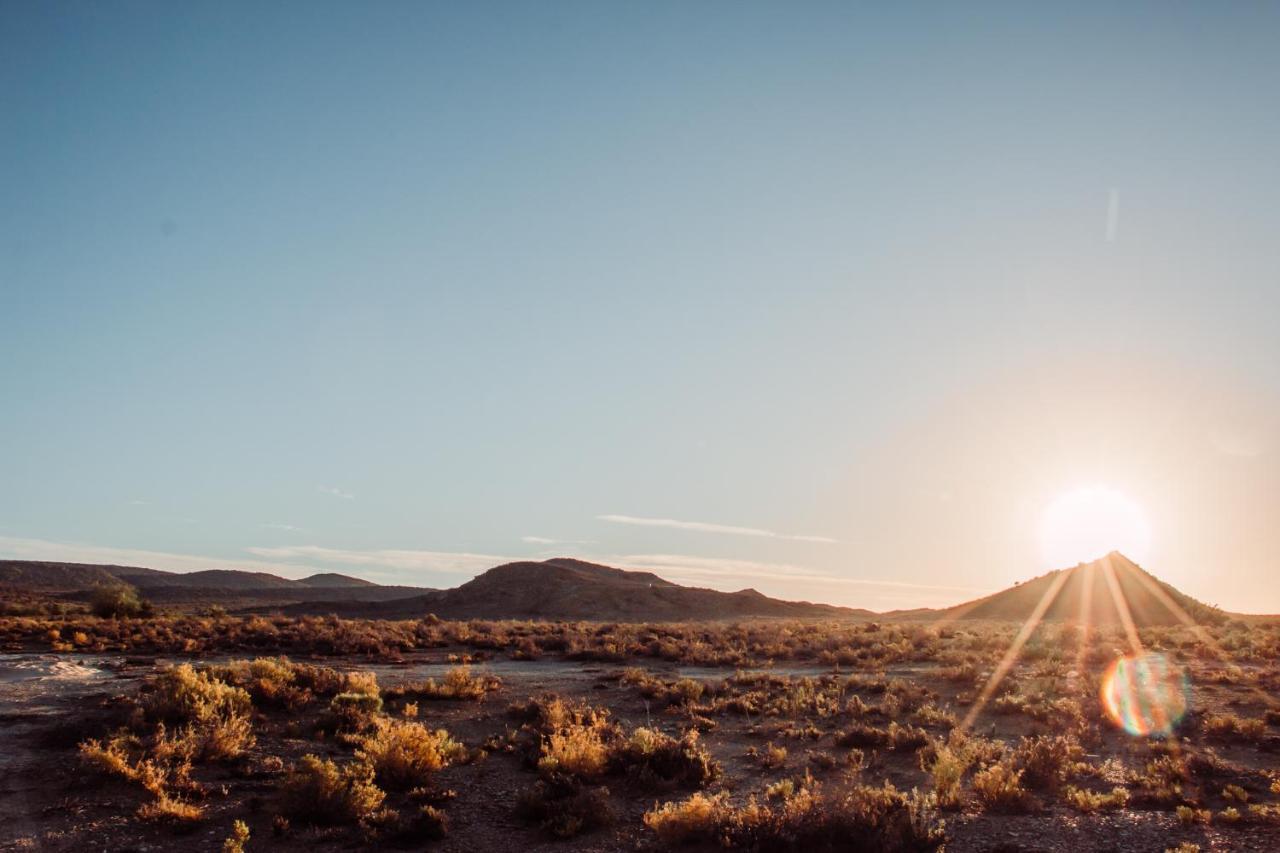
(564, 588)
(1096, 593)
(227, 587)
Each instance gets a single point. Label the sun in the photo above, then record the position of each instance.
(1087, 523)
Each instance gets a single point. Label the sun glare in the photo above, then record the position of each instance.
(1085, 524)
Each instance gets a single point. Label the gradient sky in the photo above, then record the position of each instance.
(824, 300)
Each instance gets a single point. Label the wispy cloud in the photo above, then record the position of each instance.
(708, 527)
(72, 552)
(275, 525)
(402, 560)
(544, 540)
(337, 493)
(678, 566)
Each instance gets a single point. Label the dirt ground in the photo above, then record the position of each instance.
(50, 801)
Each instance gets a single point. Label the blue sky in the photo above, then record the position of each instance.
(843, 296)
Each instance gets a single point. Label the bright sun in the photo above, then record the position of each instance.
(1087, 523)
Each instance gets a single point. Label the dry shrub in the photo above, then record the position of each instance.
(999, 788)
(318, 791)
(167, 809)
(181, 694)
(458, 683)
(354, 712)
(1233, 727)
(863, 818)
(577, 750)
(861, 735)
(947, 768)
(698, 818)
(652, 757)
(405, 754)
(281, 683)
(1088, 802)
(235, 842)
(214, 714)
(564, 806)
(162, 767)
(1046, 760)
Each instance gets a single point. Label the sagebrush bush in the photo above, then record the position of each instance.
(405, 754)
(578, 750)
(318, 791)
(999, 788)
(181, 694)
(650, 756)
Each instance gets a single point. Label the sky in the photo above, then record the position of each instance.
(828, 300)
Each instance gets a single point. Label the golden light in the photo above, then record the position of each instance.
(1087, 523)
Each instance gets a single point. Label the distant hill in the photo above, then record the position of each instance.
(564, 588)
(329, 579)
(1086, 595)
(228, 587)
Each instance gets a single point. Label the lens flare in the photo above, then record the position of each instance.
(1146, 694)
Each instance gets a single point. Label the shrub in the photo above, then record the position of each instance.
(863, 818)
(653, 757)
(458, 683)
(564, 807)
(1088, 801)
(238, 838)
(354, 712)
(320, 792)
(1046, 760)
(698, 818)
(1233, 727)
(405, 754)
(168, 809)
(118, 602)
(183, 695)
(999, 788)
(578, 750)
(947, 770)
(861, 735)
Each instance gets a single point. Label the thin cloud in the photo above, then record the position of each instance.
(402, 560)
(337, 493)
(676, 566)
(71, 552)
(708, 527)
(275, 525)
(543, 540)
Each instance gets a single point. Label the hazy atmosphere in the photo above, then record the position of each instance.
(835, 303)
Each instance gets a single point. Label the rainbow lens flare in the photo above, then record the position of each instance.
(1146, 694)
